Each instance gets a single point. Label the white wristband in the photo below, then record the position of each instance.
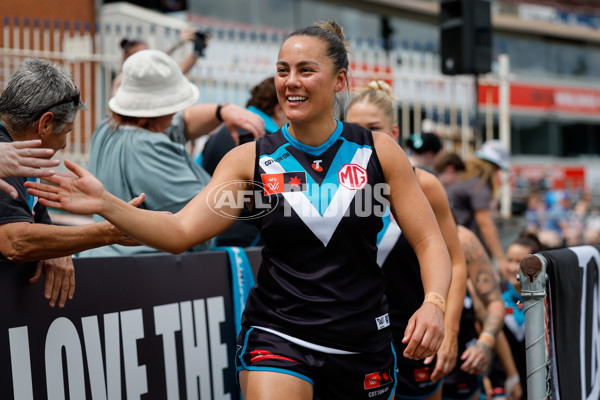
(510, 382)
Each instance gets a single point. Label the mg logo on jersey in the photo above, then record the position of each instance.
(352, 176)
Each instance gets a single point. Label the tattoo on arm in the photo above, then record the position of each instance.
(482, 275)
(486, 285)
(492, 324)
(480, 271)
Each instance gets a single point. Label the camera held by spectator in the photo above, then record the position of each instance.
(201, 42)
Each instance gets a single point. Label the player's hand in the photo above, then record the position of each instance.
(82, 194)
(424, 333)
(446, 357)
(477, 358)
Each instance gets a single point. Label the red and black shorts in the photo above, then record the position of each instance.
(333, 376)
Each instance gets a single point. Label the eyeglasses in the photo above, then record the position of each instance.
(75, 99)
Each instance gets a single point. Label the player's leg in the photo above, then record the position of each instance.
(266, 385)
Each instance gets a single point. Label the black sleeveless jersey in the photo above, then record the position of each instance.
(319, 280)
(400, 265)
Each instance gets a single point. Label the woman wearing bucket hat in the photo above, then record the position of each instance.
(471, 195)
(140, 147)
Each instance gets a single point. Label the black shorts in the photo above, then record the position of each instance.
(497, 379)
(413, 376)
(459, 385)
(333, 376)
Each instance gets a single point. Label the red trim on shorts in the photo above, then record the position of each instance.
(260, 355)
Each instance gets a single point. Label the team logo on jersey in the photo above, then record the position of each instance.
(284, 182)
(316, 165)
(352, 176)
(421, 374)
(378, 379)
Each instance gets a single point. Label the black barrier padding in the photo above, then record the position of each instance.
(116, 285)
(567, 310)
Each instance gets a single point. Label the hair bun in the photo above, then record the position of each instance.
(379, 85)
(334, 28)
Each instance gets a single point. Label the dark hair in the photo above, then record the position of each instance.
(127, 45)
(264, 96)
(530, 240)
(449, 159)
(116, 120)
(423, 142)
(333, 34)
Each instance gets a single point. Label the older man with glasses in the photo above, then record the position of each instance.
(40, 102)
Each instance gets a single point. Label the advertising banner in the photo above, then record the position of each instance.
(144, 327)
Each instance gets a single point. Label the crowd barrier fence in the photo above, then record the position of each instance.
(561, 292)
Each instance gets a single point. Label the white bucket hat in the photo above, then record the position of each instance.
(495, 152)
(152, 86)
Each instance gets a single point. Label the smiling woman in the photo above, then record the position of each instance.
(316, 324)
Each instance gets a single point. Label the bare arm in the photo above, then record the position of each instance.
(436, 195)
(484, 289)
(504, 354)
(489, 233)
(415, 217)
(202, 119)
(174, 233)
(22, 241)
(186, 64)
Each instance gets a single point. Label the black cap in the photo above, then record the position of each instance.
(424, 142)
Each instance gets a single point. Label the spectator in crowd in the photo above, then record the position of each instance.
(448, 168)
(423, 149)
(551, 214)
(472, 194)
(24, 159)
(318, 277)
(373, 108)
(132, 46)
(39, 104)
(535, 213)
(591, 233)
(140, 148)
(263, 102)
